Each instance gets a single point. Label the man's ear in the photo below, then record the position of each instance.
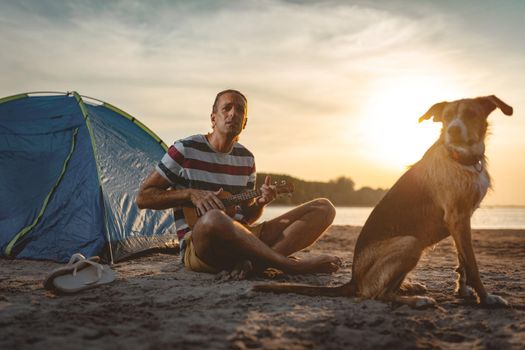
(434, 111)
(489, 103)
(245, 122)
(212, 119)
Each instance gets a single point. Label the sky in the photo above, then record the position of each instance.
(335, 88)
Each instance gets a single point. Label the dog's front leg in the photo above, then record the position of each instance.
(459, 227)
(463, 287)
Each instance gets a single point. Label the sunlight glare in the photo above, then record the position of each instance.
(390, 119)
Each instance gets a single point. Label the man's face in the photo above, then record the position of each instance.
(230, 117)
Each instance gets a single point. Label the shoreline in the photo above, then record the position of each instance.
(500, 218)
(156, 303)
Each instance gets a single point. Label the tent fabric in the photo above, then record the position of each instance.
(70, 170)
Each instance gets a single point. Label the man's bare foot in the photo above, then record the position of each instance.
(317, 264)
(271, 272)
(241, 271)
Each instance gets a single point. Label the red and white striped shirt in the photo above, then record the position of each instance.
(193, 163)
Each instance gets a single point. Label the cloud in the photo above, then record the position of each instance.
(306, 58)
(165, 45)
(298, 63)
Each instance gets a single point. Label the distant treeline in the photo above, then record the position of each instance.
(340, 192)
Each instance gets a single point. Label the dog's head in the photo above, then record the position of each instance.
(465, 123)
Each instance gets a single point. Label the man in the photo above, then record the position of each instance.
(197, 169)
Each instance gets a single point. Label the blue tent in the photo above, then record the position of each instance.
(70, 169)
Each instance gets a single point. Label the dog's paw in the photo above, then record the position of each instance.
(492, 300)
(412, 288)
(424, 302)
(465, 292)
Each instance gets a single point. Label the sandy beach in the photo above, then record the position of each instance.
(156, 304)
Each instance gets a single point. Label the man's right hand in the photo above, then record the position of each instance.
(206, 200)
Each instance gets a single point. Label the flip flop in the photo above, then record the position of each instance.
(79, 274)
(88, 277)
(68, 268)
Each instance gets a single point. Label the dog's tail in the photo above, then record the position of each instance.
(347, 289)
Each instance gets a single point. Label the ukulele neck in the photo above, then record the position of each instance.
(241, 197)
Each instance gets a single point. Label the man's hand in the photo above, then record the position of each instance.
(268, 191)
(206, 200)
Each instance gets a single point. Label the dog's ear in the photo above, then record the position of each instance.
(489, 103)
(434, 111)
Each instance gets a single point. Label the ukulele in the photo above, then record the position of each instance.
(192, 214)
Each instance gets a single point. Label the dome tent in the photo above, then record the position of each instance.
(70, 169)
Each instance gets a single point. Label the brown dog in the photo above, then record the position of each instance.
(435, 198)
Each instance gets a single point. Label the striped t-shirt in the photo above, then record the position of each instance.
(193, 163)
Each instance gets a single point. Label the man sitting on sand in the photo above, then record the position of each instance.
(198, 168)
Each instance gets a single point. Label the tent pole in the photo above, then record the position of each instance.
(88, 125)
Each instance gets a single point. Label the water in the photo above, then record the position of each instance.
(483, 218)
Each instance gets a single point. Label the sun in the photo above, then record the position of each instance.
(389, 121)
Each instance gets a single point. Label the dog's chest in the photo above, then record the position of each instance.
(483, 184)
(455, 186)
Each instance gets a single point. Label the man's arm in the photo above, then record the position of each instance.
(154, 193)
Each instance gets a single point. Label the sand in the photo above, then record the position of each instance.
(156, 304)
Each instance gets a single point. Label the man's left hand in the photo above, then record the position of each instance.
(268, 192)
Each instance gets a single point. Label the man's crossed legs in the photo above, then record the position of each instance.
(223, 243)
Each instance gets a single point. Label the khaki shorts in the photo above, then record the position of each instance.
(194, 263)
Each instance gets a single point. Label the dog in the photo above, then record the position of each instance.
(433, 199)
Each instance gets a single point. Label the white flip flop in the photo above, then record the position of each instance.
(79, 274)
